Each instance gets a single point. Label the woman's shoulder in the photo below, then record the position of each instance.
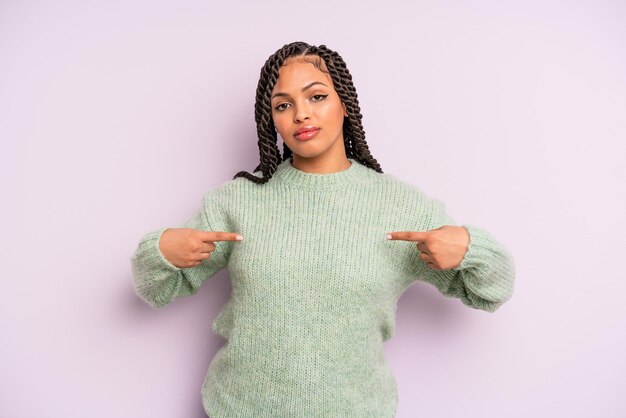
(384, 182)
(403, 190)
(389, 180)
(234, 187)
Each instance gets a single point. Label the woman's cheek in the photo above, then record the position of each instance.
(279, 124)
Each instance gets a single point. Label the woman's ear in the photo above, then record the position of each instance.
(345, 111)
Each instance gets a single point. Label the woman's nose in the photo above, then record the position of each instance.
(301, 113)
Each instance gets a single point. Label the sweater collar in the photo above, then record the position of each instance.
(292, 176)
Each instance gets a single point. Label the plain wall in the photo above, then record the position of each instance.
(116, 117)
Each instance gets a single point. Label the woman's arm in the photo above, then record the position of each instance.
(485, 277)
(157, 281)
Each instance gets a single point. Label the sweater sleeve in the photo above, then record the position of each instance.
(157, 281)
(485, 277)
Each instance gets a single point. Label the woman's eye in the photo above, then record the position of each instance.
(323, 96)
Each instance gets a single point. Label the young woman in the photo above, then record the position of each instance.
(320, 244)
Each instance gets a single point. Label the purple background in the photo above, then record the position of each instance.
(116, 117)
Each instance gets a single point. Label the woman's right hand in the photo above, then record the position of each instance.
(186, 247)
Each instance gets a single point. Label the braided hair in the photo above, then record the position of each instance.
(353, 133)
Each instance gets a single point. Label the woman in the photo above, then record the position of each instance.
(308, 239)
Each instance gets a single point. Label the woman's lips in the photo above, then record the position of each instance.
(307, 135)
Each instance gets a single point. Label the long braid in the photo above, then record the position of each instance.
(354, 135)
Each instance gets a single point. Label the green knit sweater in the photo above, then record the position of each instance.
(314, 288)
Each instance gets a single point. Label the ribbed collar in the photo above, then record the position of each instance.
(292, 176)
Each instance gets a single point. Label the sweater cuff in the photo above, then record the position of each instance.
(488, 269)
(477, 250)
(150, 253)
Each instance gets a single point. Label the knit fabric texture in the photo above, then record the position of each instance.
(315, 285)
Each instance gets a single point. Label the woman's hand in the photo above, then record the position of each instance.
(442, 248)
(186, 247)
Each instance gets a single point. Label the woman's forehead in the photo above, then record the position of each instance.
(299, 74)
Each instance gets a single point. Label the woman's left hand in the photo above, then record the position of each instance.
(442, 248)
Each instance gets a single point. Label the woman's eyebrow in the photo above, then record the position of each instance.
(303, 89)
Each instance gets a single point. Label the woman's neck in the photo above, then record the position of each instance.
(320, 166)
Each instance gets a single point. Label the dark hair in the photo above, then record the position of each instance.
(353, 133)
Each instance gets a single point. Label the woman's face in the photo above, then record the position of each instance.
(304, 97)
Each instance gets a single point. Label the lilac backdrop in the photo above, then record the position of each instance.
(116, 117)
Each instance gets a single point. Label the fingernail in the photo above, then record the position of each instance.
(388, 236)
(238, 237)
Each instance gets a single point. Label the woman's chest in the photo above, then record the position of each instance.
(325, 245)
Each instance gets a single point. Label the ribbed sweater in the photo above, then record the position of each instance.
(315, 285)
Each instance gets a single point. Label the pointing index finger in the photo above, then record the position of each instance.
(221, 236)
(413, 236)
